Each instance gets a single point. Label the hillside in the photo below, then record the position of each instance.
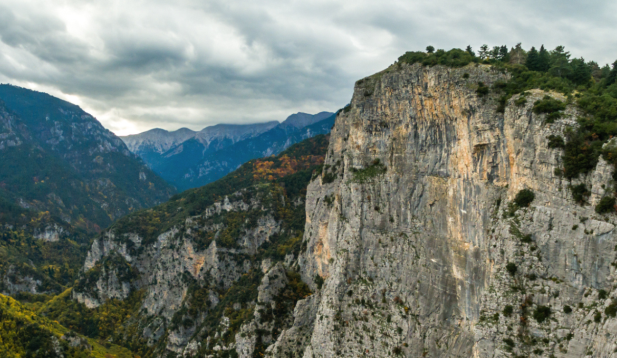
(63, 178)
(23, 333)
(190, 159)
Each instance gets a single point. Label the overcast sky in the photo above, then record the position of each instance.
(140, 64)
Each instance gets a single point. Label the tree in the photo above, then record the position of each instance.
(430, 49)
(543, 60)
(533, 60)
(503, 53)
(612, 76)
(495, 53)
(581, 72)
(470, 51)
(560, 62)
(484, 52)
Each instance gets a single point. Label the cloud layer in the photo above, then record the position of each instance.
(137, 65)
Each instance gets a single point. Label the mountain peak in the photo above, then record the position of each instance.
(301, 119)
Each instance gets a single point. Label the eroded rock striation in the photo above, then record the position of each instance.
(413, 229)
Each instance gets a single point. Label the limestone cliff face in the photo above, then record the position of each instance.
(413, 235)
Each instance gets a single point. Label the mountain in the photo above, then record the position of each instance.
(201, 257)
(464, 208)
(63, 177)
(217, 164)
(191, 159)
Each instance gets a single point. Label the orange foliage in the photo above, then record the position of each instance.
(274, 169)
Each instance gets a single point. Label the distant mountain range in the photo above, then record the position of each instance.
(189, 159)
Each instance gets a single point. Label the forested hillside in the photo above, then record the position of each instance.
(63, 178)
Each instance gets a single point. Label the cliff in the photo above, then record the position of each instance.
(418, 241)
(413, 244)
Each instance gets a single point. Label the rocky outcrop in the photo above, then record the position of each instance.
(414, 235)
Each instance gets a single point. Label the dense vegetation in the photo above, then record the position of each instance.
(23, 333)
(586, 85)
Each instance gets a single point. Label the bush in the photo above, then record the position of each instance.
(606, 205)
(524, 198)
(509, 342)
(611, 310)
(602, 294)
(508, 310)
(549, 106)
(541, 313)
(364, 175)
(567, 309)
(511, 267)
(453, 58)
(555, 141)
(482, 90)
(597, 317)
(580, 193)
(319, 281)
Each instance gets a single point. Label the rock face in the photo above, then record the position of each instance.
(412, 243)
(414, 233)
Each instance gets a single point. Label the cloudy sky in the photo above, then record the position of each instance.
(140, 64)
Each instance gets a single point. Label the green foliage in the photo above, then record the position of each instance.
(602, 294)
(319, 281)
(555, 141)
(611, 310)
(452, 58)
(482, 90)
(524, 197)
(508, 310)
(509, 342)
(567, 309)
(367, 174)
(606, 205)
(549, 106)
(511, 268)
(24, 333)
(541, 313)
(580, 193)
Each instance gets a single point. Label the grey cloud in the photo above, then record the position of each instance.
(196, 63)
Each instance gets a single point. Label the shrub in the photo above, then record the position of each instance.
(319, 281)
(580, 193)
(482, 90)
(508, 310)
(509, 342)
(366, 174)
(549, 106)
(556, 141)
(521, 101)
(611, 310)
(602, 294)
(511, 267)
(524, 198)
(453, 58)
(606, 205)
(541, 313)
(597, 317)
(567, 309)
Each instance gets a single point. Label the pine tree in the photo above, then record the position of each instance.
(581, 72)
(533, 60)
(495, 53)
(503, 53)
(560, 62)
(543, 60)
(612, 76)
(470, 51)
